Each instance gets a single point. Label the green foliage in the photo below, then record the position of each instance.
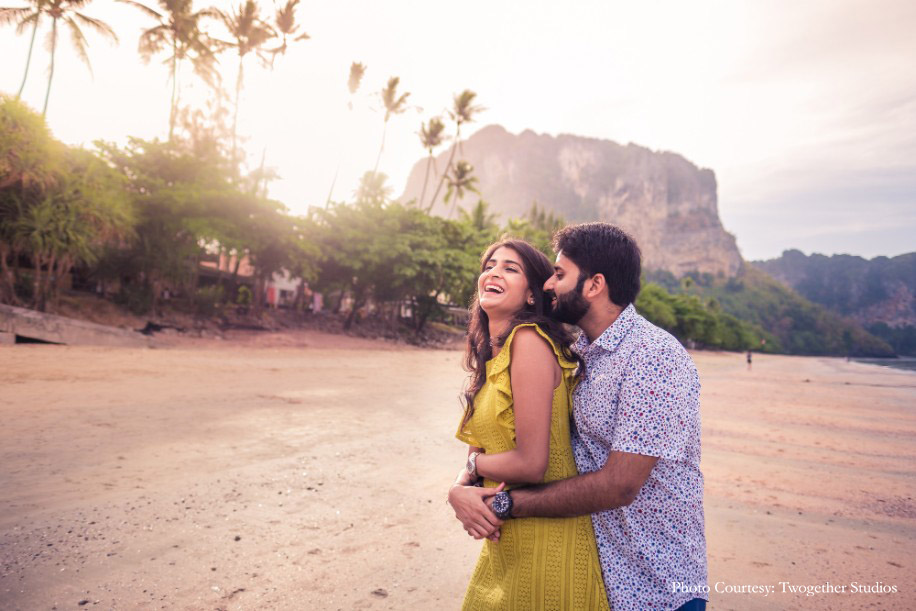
(800, 326)
(536, 227)
(244, 296)
(138, 298)
(28, 152)
(206, 300)
(902, 339)
(389, 252)
(59, 206)
(689, 319)
(876, 291)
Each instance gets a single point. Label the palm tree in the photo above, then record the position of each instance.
(394, 105)
(249, 34)
(431, 137)
(178, 29)
(287, 27)
(23, 17)
(480, 217)
(463, 111)
(373, 189)
(460, 180)
(357, 71)
(66, 11)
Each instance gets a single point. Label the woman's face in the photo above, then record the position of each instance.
(502, 287)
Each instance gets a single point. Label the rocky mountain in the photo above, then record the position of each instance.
(667, 203)
(879, 290)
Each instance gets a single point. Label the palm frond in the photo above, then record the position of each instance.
(431, 133)
(49, 40)
(10, 15)
(153, 41)
(98, 25)
(286, 17)
(79, 41)
(464, 109)
(357, 70)
(149, 11)
(394, 105)
(209, 13)
(28, 21)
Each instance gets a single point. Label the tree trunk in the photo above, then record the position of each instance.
(195, 273)
(235, 114)
(28, 59)
(235, 275)
(429, 163)
(155, 286)
(63, 268)
(44, 110)
(174, 104)
(299, 305)
(222, 276)
(37, 301)
(448, 166)
(260, 287)
(378, 158)
(50, 287)
(357, 304)
(422, 315)
(7, 279)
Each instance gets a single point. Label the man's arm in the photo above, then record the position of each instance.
(615, 485)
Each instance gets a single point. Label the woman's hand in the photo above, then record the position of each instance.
(469, 503)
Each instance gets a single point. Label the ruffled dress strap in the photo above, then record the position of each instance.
(501, 361)
(498, 378)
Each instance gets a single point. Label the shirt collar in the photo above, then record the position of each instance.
(613, 335)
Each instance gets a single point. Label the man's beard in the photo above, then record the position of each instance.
(571, 306)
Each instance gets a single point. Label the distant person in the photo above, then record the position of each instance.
(516, 425)
(636, 436)
(750, 358)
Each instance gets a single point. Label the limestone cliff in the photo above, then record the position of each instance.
(667, 203)
(867, 290)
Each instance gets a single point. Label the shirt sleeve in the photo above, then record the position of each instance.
(658, 411)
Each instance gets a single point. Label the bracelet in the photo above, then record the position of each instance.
(472, 464)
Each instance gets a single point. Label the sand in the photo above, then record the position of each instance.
(305, 471)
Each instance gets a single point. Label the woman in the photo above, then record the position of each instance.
(516, 424)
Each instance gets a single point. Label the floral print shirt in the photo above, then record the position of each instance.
(640, 394)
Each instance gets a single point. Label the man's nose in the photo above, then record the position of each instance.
(548, 286)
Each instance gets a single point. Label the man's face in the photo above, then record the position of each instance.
(568, 304)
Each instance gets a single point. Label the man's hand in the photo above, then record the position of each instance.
(469, 503)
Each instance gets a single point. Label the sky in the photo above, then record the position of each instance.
(805, 110)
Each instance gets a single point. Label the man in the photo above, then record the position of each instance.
(636, 435)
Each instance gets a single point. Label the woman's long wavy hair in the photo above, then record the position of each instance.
(537, 270)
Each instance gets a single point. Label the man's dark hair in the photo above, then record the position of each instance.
(601, 248)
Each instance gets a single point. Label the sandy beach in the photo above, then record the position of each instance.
(306, 471)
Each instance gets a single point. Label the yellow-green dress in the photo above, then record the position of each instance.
(538, 563)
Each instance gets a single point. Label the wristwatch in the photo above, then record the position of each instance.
(472, 464)
(502, 505)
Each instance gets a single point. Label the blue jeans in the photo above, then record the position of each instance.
(697, 604)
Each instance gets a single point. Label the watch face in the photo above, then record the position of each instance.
(502, 505)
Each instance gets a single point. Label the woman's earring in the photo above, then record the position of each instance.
(531, 301)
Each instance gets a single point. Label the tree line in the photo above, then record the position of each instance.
(145, 214)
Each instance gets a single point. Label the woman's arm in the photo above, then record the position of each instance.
(535, 374)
